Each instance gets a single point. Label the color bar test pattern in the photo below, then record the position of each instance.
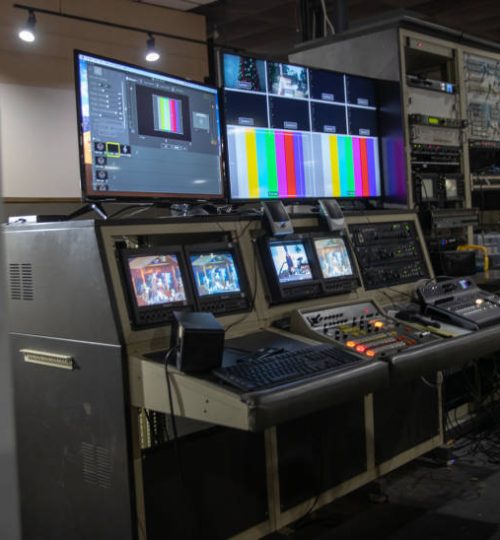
(267, 163)
(169, 114)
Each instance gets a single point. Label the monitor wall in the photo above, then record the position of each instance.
(298, 133)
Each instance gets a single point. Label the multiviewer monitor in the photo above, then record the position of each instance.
(144, 134)
(297, 133)
(156, 282)
(218, 275)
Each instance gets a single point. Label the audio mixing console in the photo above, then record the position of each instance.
(361, 327)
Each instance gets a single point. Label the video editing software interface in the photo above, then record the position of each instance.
(145, 134)
(296, 132)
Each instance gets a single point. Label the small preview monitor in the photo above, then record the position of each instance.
(427, 189)
(144, 134)
(293, 132)
(156, 284)
(219, 280)
(453, 188)
(289, 268)
(291, 262)
(215, 273)
(333, 257)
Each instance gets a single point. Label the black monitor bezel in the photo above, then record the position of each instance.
(149, 197)
(135, 311)
(310, 288)
(287, 240)
(286, 200)
(435, 179)
(354, 277)
(233, 248)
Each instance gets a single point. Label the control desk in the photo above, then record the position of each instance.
(101, 353)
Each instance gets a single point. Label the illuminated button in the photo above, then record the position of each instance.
(361, 348)
(350, 344)
(370, 353)
(378, 324)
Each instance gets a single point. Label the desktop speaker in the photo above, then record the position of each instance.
(199, 340)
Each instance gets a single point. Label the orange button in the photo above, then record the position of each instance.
(378, 324)
(370, 353)
(350, 344)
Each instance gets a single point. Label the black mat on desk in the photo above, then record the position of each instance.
(238, 347)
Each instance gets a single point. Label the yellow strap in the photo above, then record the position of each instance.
(476, 247)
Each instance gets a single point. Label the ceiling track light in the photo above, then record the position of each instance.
(152, 54)
(32, 21)
(27, 32)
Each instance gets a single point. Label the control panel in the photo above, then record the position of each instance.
(435, 158)
(430, 84)
(438, 189)
(428, 134)
(388, 253)
(460, 301)
(435, 121)
(482, 80)
(482, 84)
(484, 158)
(361, 327)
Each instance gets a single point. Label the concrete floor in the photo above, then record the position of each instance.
(423, 501)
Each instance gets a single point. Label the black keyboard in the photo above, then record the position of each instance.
(283, 367)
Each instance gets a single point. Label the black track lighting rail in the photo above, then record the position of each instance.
(107, 23)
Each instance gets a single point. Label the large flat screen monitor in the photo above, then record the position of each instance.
(298, 133)
(144, 134)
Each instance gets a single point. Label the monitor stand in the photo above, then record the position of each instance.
(89, 207)
(200, 209)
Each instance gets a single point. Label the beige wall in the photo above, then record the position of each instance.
(37, 101)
